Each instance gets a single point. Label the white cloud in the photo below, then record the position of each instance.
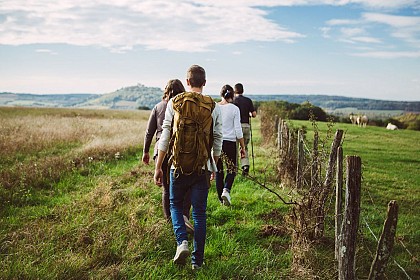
(325, 32)
(348, 32)
(385, 4)
(121, 25)
(366, 40)
(48, 51)
(178, 25)
(392, 20)
(390, 55)
(342, 22)
(403, 28)
(379, 4)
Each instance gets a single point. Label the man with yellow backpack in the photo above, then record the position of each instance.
(192, 133)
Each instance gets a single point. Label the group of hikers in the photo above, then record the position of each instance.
(197, 139)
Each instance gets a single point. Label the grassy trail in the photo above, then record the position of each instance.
(102, 217)
(104, 221)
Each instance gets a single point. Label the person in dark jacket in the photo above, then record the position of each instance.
(247, 110)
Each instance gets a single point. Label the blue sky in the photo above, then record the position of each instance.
(356, 48)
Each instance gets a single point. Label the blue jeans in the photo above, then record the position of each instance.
(199, 186)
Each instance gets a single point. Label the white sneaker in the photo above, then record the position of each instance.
(195, 267)
(188, 225)
(226, 197)
(182, 252)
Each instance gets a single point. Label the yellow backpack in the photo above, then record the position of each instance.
(192, 132)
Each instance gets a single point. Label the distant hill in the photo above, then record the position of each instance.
(44, 100)
(141, 96)
(131, 97)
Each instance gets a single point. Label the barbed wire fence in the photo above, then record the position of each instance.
(309, 174)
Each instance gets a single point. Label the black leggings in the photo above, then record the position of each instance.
(229, 151)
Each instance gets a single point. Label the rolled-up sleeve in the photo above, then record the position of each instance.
(217, 130)
(166, 128)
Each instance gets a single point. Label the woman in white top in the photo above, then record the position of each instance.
(232, 132)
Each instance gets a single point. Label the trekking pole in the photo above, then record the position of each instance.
(252, 146)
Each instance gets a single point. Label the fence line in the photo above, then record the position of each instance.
(292, 149)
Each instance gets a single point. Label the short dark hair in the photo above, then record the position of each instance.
(196, 75)
(173, 87)
(239, 88)
(226, 92)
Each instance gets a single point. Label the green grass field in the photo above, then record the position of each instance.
(95, 215)
(390, 171)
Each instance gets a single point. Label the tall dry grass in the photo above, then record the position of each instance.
(36, 150)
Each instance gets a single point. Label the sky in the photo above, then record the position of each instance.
(354, 48)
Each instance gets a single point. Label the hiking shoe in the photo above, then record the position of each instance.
(245, 170)
(188, 225)
(182, 252)
(226, 197)
(195, 267)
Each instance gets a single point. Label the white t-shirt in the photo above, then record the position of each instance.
(231, 119)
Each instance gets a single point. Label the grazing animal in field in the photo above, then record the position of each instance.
(353, 118)
(364, 121)
(391, 126)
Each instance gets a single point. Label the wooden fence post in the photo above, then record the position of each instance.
(338, 202)
(290, 144)
(386, 243)
(327, 188)
(347, 260)
(279, 134)
(314, 167)
(286, 138)
(299, 167)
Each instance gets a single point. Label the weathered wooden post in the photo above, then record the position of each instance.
(386, 243)
(327, 188)
(286, 138)
(276, 123)
(290, 144)
(338, 201)
(347, 259)
(299, 167)
(279, 134)
(314, 167)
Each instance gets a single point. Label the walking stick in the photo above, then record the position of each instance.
(252, 146)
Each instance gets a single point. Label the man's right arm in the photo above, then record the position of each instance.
(158, 177)
(252, 112)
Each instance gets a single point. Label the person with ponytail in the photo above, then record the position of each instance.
(232, 132)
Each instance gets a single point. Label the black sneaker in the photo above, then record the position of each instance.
(245, 170)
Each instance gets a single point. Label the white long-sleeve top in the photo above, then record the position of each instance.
(217, 133)
(231, 117)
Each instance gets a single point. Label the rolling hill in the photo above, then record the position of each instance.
(141, 96)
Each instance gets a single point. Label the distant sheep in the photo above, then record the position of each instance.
(353, 118)
(362, 120)
(391, 126)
